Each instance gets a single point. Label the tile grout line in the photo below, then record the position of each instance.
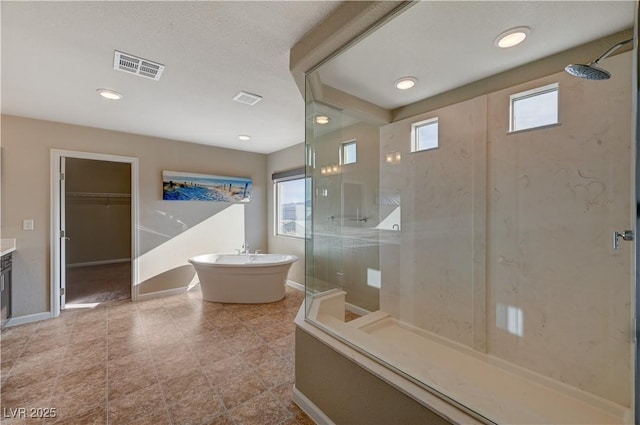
(257, 376)
(215, 388)
(22, 350)
(60, 368)
(155, 371)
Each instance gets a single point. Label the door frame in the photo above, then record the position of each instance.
(55, 265)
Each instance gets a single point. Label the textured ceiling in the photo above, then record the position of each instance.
(447, 44)
(56, 54)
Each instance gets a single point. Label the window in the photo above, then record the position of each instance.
(534, 108)
(424, 135)
(290, 203)
(348, 153)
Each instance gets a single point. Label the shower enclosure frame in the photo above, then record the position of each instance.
(635, 407)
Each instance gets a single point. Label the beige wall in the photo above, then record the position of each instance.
(349, 394)
(502, 228)
(282, 160)
(169, 231)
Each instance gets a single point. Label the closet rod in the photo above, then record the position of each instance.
(99, 195)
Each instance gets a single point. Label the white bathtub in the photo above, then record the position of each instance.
(245, 279)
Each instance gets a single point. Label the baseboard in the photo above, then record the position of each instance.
(355, 309)
(30, 318)
(160, 294)
(310, 408)
(295, 285)
(99, 263)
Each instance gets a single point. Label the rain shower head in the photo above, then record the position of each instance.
(592, 71)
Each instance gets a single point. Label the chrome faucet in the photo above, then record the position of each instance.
(245, 249)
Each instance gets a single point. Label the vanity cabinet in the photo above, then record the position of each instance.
(5, 287)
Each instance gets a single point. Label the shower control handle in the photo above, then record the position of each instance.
(626, 235)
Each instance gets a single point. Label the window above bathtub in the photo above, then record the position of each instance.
(290, 206)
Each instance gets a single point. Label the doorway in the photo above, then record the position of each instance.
(93, 238)
(97, 221)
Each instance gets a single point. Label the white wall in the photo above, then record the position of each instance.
(285, 159)
(169, 231)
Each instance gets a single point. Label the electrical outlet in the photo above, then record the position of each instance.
(27, 224)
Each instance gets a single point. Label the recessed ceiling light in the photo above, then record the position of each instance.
(322, 119)
(109, 94)
(512, 37)
(244, 137)
(405, 83)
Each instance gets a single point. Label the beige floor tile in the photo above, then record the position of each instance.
(177, 360)
(244, 343)
(187, 387)
(224, 370)
(276, 372)
(264, 409)
(32, 396)
(136, 404)
(240, 389)
(92, 415)
(158, 417)
(196, 412)
(123, 383)
(259, 355)
(131, 363)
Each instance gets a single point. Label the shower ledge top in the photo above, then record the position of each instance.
(496, 389)
(7, 246)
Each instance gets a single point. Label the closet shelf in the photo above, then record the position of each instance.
(98, 195)
(98, 198)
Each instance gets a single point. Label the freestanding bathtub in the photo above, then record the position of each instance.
(244, 278)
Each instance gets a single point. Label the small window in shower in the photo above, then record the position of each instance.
(534, 108)
(424, 135)
(348, 153)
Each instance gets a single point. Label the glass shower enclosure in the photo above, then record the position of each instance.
(485, 268)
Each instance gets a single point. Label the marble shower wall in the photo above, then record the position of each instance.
(506, 242)
(345, 245)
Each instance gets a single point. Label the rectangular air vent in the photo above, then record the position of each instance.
(247, 98)
(135, 65)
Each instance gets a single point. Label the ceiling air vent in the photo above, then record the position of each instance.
(135, 65)
(247, 98)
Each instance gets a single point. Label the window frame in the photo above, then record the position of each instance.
(528, 94)
(343, 145)
(415, 126)
(284, 177)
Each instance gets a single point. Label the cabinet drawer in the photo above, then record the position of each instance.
(5, 262)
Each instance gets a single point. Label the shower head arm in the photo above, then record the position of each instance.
(611, 50)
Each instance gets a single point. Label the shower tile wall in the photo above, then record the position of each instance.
(433, 263)
(506, 238)
(345, 246)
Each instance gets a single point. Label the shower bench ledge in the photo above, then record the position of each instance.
(475, 385)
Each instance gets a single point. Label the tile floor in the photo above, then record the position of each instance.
(174, 360)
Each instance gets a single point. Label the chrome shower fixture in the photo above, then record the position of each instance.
(592, 71)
